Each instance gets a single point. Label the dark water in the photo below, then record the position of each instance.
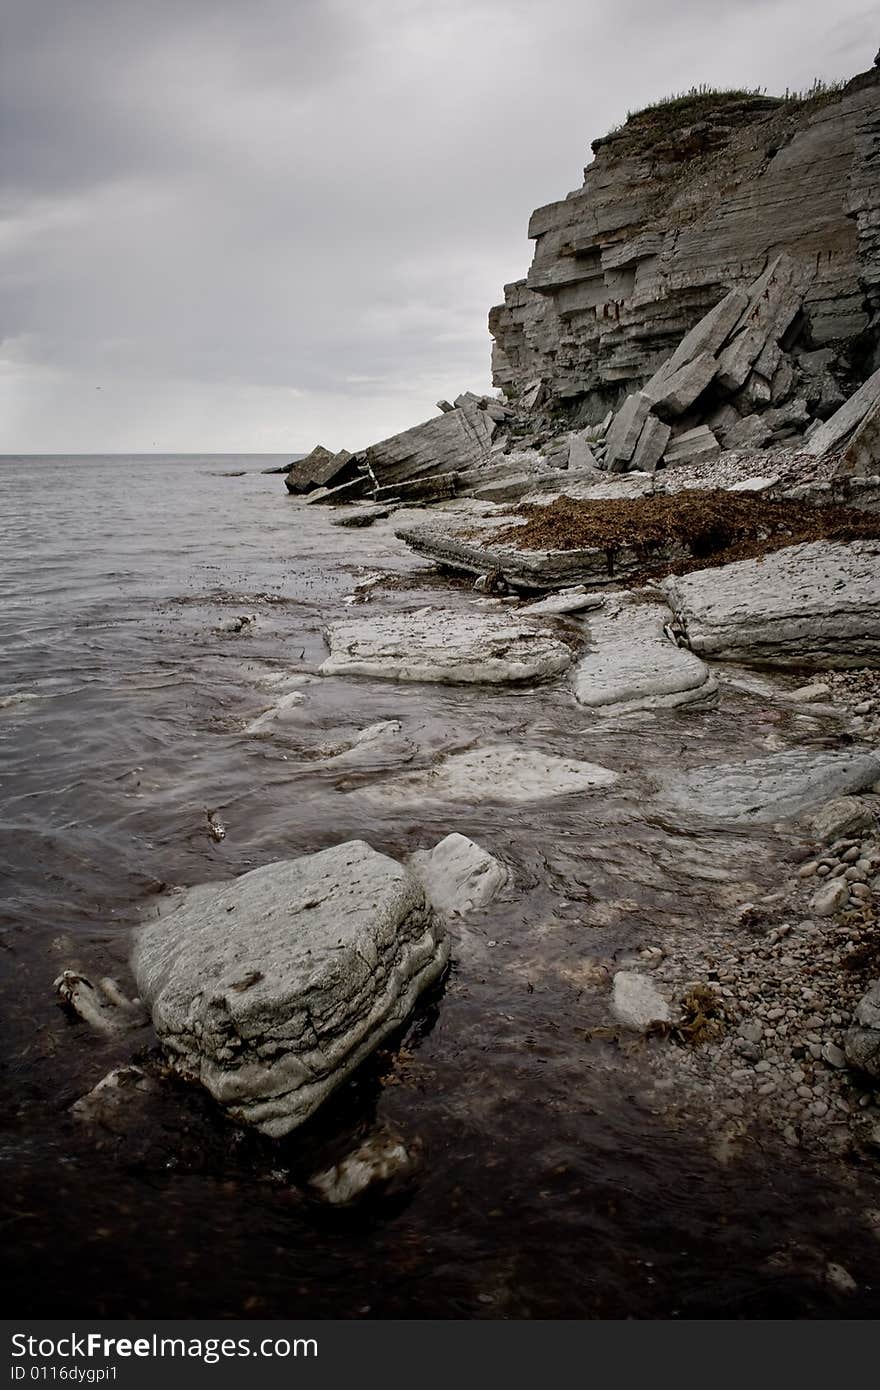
(557, 1179)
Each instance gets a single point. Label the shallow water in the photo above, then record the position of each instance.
(556, 1180)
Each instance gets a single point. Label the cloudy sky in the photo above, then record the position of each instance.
(255, 224)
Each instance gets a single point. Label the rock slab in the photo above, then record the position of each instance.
(272, 988)
(435, 644)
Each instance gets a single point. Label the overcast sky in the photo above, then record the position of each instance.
(256, 224)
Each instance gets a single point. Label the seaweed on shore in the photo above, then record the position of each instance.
(715, 527)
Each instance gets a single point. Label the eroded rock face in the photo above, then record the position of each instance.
(631, 261)
(632, 664)
(272, 988)
(808, 605)
(772, 788)
(434, 644)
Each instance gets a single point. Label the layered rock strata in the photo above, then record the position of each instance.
(684, 203)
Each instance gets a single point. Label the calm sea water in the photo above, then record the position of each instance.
(555, 1181)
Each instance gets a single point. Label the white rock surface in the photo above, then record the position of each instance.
(458, 875)
(503, 772)
(772, 788)
(636, 1003)
(829, 898)
(633, 665)
(271, 989)
(434, 644)
(815, 604)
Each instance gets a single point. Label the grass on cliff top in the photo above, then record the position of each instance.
(713, 527)
(679, 110)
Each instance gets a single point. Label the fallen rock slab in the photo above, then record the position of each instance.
(458, 875)
(636, 1003)
(272, 988)
(501, 772)
(773, 788)
(808, 605)
(846, 419)
(634, 665)
(450, 648)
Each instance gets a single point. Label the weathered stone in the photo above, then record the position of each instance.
(632, 664)
(829, 898)
(636, 1002)
(807, 605)
(862, 1041)
(457, 875)
(653, 440)
(623, 435)
(270, 989)
(673, 395)
(776, 787)
(320, 468)
(497, 773)
(693, 446)
(457, 439)
(710, 332)
(845, 815)
(573, 600)
(580, 454)
(862, 454)
(749, 433)
(846, 419)
(434, 644)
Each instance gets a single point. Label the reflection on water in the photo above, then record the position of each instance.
(553, 1182)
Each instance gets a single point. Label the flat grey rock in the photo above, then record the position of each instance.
(458, 875)
(501, 772)
(636, 1003)
(270, 989)
(777, 787)
(633, 665)
(437, 645)
(574, 600)
(845, 815)
(816, 604)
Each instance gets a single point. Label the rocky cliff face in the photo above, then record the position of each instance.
(685, 202)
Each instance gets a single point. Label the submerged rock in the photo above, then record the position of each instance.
(503, 772)
(382, 1160)
(636, 1003)
(815, 604)
(272, 988)
(772, 788)
(434, 644)
(457, 875)
(633, 664)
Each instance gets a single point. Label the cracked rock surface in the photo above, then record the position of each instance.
(272, 988)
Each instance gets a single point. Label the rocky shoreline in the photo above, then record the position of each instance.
(641, 572)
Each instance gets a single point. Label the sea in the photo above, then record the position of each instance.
(154, 613)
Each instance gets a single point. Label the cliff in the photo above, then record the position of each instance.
(688, 200)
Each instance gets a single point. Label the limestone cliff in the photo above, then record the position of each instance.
(686, 201)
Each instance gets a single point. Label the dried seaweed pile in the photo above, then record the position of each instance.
(714, 527)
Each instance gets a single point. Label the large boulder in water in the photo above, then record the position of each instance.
(272, 988)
